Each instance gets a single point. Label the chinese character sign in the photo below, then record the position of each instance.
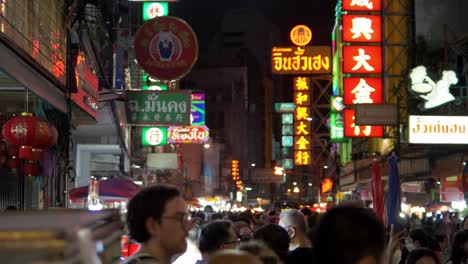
(362, 28)
(361, 5)
(353, 130)
(302, 125)
(362, 91)
(301, 60)
(362, 59)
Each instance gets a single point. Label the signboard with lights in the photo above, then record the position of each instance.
(362, 28)
(302, 127)
(362, 91)
(300, 35)
(361, 5)
(336, 104)
(198, 109)
(284, 107)
(188, 134)
(301, 60)
(336, 127)
(362, 59)
(153, 136)
(327, 185)
(151, 10)
(354, 131)
(438, 129)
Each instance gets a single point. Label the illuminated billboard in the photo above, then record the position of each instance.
(362, 28)
(301, 60)
(438, 129)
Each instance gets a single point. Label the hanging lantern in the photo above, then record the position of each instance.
(13, 163)
(51, 141)
(12, 151)
(30, 168)
(26, 132)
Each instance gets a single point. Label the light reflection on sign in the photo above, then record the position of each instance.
(188, 134)
(362, 59)
(301, 60)
(362, 28)
(362, 91)
(353, 130)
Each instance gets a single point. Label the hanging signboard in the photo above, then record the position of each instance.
(154, 136)
(376, 114)
(353, 130)
(301, 60)
(166, 48)
(198, 109)
(151, 10)
(188, 134)
(438, 129)
(158, 107)
(362, 59)
(284, 107)
(362, 91)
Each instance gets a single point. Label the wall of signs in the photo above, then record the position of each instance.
(362, 62)
(302, 124)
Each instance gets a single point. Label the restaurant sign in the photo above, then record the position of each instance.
(158, 107)
(301, 60)
(188, 134)
(438, 129)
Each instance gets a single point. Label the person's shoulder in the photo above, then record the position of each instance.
(141, 259)
(301, 255)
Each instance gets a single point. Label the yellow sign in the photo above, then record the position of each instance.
(302, 158)
(301, 60)
(279, 170)
(300, 35)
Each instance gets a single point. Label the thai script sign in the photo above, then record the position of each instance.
(301, 60)
(188, 134)
(158, 107)
(438, 129)
(166, 48)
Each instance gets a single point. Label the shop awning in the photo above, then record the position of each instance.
(115, 187)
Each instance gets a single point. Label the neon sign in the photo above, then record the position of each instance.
(300, 35)
(362, 91)
(361, 5)
(153, 136)
(301, 60)
(362, 59)
(362, 28)
(188, 134)
(354, 131)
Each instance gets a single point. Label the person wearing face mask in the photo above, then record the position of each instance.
(417, 238)
(459, 252)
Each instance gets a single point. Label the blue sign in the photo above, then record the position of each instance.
(288, 164)
(288, 130)
(287, 141)
(287, 119)
(198, 109)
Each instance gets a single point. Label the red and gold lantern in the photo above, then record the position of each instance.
(26, 131)
(30, 168)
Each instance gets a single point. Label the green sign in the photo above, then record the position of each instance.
(154, 87)
(336, 127)
(154, 136)
(287, 141)
(154, 9)
(288, 164)
(284, 107)
(149, 83)
(336, 104)
(158, 107)
(287, 119)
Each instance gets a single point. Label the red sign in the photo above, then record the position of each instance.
(362, 59)
(327, 185)
(353, 131)
(362, 91)
(166, 48)
(362, 28)
(188, 134)
(361, 5)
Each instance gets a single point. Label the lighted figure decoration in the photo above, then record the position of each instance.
(433, 94)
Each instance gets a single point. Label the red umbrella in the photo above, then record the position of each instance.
(377, 191)
(115, 187)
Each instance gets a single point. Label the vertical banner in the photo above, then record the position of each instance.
(302, 124)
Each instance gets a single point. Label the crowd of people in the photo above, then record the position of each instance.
(158, 218)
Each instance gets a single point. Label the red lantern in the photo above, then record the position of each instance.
(31, 168)
(26, 131)
(13, 163)
(36, 154)
(12, 151)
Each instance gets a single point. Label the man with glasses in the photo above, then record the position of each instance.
(157, 218)
(215, 236)
(300, 248)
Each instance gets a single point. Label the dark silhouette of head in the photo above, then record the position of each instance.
(275, 237)
(348, 234)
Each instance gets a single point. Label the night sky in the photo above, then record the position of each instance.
(205, 16)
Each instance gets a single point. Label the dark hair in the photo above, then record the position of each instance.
(419, 253)
(260, 250)
(420, 236)
(149, 202)
(457, 253)
(275, 237)
(213, 235)
(346, 234)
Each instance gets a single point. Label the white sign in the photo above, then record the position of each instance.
(162, 161)
(438, 129)
(433, 94)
